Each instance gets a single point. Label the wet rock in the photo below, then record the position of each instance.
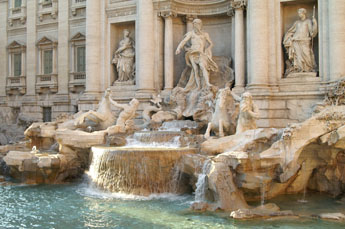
(332, 216)
(114, 140)
(3, 139)
(265, 211)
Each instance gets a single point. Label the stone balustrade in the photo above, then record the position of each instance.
(77, 81)
(46, 82)
(16, 85)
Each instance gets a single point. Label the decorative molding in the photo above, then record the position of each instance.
(238, 4)
(193, 7)
(167, 14)
(121, 11)
(15, 45)
(78, 37)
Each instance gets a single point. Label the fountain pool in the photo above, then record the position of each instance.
(80, 206)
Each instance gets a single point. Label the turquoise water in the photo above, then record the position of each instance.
(78, 206)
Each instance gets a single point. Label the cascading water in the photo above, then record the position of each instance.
(151, 139)
(137, 171)
(202, 183)
(142, 167)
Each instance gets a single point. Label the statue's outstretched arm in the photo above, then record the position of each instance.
(117, 104)
(183, 42)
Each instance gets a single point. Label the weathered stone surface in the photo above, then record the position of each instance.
(250, 141)
(332, 216)
(265, 211)
(80, 139)
(220, 180)
(3, 139)
(16, 158)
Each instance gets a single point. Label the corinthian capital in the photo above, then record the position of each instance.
(238, 4)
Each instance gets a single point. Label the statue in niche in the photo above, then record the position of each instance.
(124, 59)
(298, 42)
(198, 56)
(249, 112)
(190, 98)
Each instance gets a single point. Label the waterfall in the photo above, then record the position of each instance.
(138, 171)
(151, 139)
(202, 183)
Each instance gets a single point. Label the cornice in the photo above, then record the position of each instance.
(192, 7)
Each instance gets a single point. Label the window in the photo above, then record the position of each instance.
(17, 64)
(48, 61)
(17, 3)
(47, 114)
(81, 59)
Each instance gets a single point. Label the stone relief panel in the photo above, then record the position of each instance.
(300, 38)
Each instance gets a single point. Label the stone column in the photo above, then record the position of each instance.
(3, 46)
(54, 58)
(73, 62)
(63, 49)
(189, 22)
(31, 58)
(336, 39)
(257, 30)
(144, 46)
(23, 73)
(93, 46)
(239, 6)
(10, 68)
(168, 52)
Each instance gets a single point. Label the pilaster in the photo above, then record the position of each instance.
(93, 47)
(31, 48)
(336, 38)
(3, 43)
(63, 50)
(145, 46)
(258, 45)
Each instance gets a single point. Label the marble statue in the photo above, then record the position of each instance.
(298, 42)
(102, 118)
(249, 112)
(225, 115)
(152, 109)
(124, 58)
(198, 56)
(125, 120)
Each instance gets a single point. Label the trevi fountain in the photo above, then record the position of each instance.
(205, 145)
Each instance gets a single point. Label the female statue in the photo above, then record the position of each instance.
(298, 44)
(124, 58)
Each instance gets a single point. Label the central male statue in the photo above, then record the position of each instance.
(198, 56)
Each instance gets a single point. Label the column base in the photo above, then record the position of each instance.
(238, 90)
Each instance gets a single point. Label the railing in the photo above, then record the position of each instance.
(16, 83)
(77, 4)
(77, 80)
(18, 13)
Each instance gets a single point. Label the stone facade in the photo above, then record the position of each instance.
(250, 32)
